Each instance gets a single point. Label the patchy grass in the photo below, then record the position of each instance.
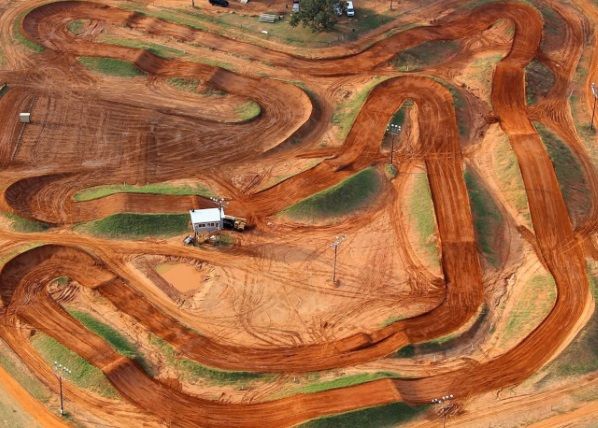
(533, 301)
(113, 337)
(128, 225)
(20, 224)
(17, 370)
(487, 218)
(581, 356)
(159, 50)
(539, 79)
(425, 55)
(98, 192)
(509, 178)
(248, 110)
(187, 85)
(193, 371)
(342, 382)
(342, 199)
(572, 181)
(375, 417)
(76, 26)
(345, 112)
(6, 257)
(21, 38)
(111, 66)
(84, 374)
(420, 209)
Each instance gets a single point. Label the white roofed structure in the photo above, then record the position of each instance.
(207, 220)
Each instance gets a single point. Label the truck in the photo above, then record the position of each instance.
(232, 222)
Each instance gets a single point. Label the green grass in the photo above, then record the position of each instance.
(528, 310)
(11, 364)
(5, 258)
(539, 79)
(572, 181)
(342, 382)
(111, 66)
(12, 414)
(21, 38)
(84, 374)
(425, 55)
(345, 113)
(193, 371)
(98, 192)
(76, 26)
(487, 218)
(509, 177)
(389, 415)
(187, 85)
(159, 50)
(420, 208)
(20, 224)
(128, 225)
(248, 110)
(344, 198)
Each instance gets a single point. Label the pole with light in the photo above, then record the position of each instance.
(337, 242)
(59, 370)
(595, 94)
(394, 130)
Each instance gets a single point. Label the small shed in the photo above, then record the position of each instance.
(207, 220)
(24, 117)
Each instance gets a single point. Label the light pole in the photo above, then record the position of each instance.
(595, 94)
(338, 241)
(59, 369)
(394, 130)
(443, 410)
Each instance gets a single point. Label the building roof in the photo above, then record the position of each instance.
(206, 215)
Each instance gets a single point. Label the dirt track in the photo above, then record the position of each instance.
(286, 110)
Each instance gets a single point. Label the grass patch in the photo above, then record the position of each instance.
(427, 54)
(159, 50)
(98, 192)
(509, 177)
(342, 382)
(487, 218)
(581, 356)
(539, 79)
(5, 258)
(113, 337)
(420, 208)
(76, 26)
(111, 66)
(127, 225)
(21, 38)
(187, 85)
(345, 112)
(13, 366)
(84, 374)
(572, 181)
(529, 310)
(342, 199)
(248, 110)
(193, 371)
(20, 224)
(375, 417)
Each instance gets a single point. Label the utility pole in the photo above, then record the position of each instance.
(595, 94)
(394, 130)
(444, 411)
(338, 241)
(59, 369)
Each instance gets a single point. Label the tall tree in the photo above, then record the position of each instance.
(319, 15)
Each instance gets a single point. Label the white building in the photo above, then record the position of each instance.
(207, 220)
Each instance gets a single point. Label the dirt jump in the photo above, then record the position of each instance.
(265, 305)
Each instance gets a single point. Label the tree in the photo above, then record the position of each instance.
(319, 15)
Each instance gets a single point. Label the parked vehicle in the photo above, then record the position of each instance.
(350, 10)
(222, 3)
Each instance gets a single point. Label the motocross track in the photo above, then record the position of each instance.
(152, 155)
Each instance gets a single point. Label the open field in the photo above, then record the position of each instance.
(379, 272)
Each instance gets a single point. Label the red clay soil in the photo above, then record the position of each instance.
(285, 109)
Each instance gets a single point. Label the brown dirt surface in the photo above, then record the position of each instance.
(262, 304)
